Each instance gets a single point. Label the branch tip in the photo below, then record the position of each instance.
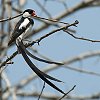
(76, 22)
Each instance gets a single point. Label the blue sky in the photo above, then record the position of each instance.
(61, 46)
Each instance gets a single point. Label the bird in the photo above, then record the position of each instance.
(23, 26)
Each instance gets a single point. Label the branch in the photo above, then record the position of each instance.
(52, 32)
(52, 20)
(67, 92)
(81, 38)
(10, 18)
(82, 71)
(50, 96)
(41, 91)
(64, 14)
(8, 59)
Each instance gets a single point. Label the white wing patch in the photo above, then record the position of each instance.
(28, 30)
(24, 24)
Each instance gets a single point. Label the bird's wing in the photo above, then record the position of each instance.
(16, 33)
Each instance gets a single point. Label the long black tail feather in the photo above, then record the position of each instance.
(34, 57)
(42, 60)
(35, 69)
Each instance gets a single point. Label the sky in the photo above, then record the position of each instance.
(61, 46)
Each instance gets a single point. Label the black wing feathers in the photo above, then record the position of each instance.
(17, 32)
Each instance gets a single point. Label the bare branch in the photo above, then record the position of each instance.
(41, 91)
(10, 18)
(82, 71)
(81, 38)
(81, 5)
(67, 92)
(50, 96)
(52, 32)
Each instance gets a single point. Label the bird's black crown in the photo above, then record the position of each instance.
(30, 11)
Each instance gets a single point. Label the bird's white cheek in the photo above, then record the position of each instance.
(26, 14)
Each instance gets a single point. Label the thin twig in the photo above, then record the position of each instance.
(41, 91)
(50, 96)
(81, 38)
(67, 92)
(82, 70)
(54, 31)
(8, 59)
(52, 20)
(10, 18)
(64, 14)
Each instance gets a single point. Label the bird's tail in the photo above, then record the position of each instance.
(34, 68)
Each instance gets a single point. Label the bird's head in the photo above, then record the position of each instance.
(29, 13)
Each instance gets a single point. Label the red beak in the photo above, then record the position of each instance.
(33, 14)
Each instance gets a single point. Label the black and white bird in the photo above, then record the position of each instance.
(23, 26)
(21, 29)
